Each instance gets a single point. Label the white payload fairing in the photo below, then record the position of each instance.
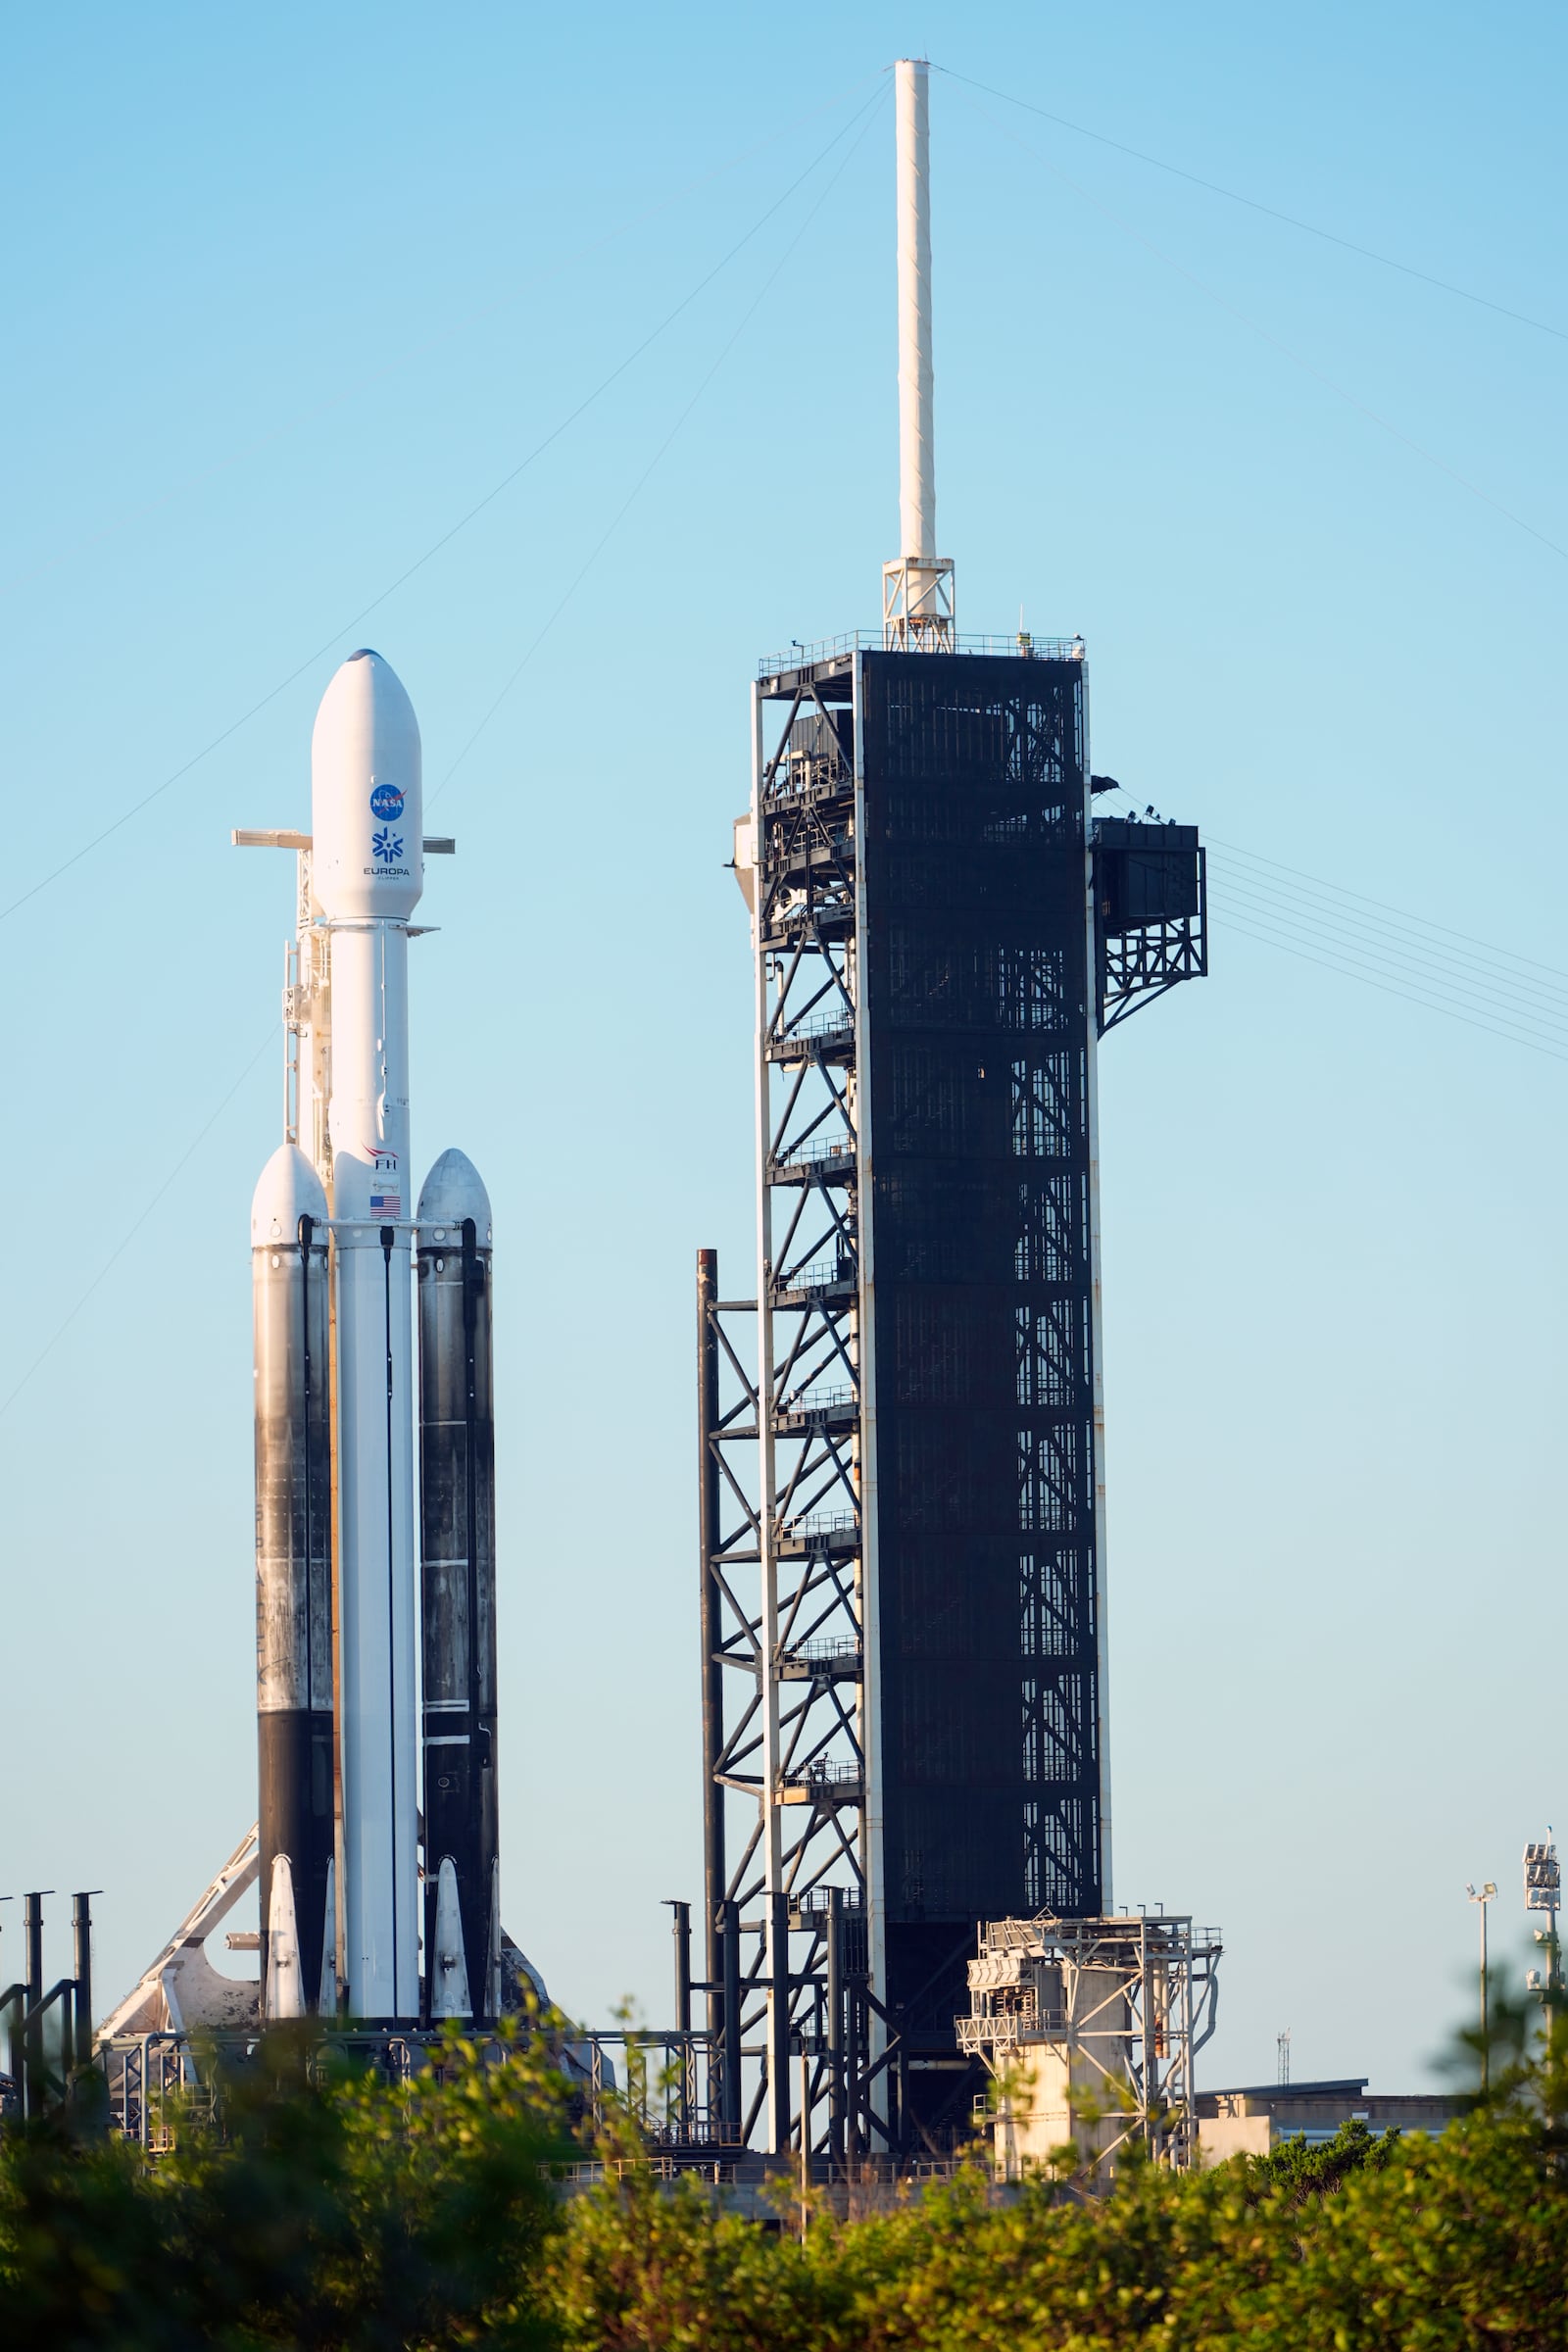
(340, 1590)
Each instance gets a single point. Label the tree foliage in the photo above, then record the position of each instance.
(331, 2210)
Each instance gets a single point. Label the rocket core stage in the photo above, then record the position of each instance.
(333, 1240)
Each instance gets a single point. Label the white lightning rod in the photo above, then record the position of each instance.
(918, 588)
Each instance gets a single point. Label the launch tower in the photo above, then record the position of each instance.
(900, 1437)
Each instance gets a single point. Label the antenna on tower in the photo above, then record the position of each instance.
(917, 610)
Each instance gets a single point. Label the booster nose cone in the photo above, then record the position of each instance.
(454, 1191)
(367, 803)
(288, 1189)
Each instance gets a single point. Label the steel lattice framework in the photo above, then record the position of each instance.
(901, 1454)
(792, 1515)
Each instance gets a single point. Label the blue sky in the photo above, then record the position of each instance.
(288, 296)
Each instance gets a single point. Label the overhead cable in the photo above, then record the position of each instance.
(620, 228)
(1389, 988)
(1362, 964)
(1295, 358)
(1389, 948)
(1507, 955)
(865, 116)
(1310, 228)
(126, 1239)
(436, 544)
(1453, 978)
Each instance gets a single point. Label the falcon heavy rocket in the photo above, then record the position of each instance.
(348, 1625)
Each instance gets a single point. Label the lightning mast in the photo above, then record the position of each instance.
(917, 606)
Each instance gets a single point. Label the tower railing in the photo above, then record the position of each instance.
(1023, 643)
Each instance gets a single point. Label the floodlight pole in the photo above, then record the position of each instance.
(1480, 1900)
(1543, 1892)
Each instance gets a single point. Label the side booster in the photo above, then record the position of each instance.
(338, 1646)
(458, 1554)
(293, 1582)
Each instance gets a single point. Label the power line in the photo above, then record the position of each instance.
(1364, 964)
(1403, 912)
(122, 1246)
(413, 351)
(864, 117)
(1291, 221)
(1406, 930)
(1265, 334)
(1343, 930)
(1452, 976)
(136, 807)
(1387, 988)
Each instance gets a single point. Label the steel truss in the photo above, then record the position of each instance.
(662, 2080)
(1150, 914)
(824, 2019)
(801, 1908)
(784, 1649)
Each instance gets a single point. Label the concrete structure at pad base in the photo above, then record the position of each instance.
(181, 1990)
(1255, 2121)
(181, 1993)
(1089, 2029)
(1053, 2104)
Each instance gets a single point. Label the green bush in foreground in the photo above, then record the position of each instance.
(335, 2212)
(1460, 2241)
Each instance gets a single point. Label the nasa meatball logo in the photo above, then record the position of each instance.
(386, 803)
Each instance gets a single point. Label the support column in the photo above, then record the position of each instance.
(81, 1962)
(730, 2078)
(835, 2023)
(712, 1673)
(32, 1932)
(778, 2022)
(681, 1929)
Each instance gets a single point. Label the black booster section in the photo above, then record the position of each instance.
(458, 1607)
(294, 1585)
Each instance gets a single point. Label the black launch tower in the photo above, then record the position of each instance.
(902, 1570)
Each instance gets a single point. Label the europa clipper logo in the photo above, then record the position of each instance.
(387, 846)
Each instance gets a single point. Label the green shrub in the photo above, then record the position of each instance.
(330, 2210)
